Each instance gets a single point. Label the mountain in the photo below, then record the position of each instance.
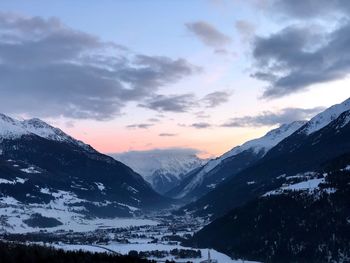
(323, 138)
(162, 168)
(307, 219)
(231, 163)
(48, 176)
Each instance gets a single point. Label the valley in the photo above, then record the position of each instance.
(157, 236)
(152, 131)
(280, 197)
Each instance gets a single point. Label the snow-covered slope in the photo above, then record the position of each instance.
(258, 146)
(162, 168)
(324, 118)
(307, 149)
(43, 170)
(12, 129)
(263, 143)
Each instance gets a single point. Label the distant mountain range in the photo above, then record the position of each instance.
(162, 168)
(292, 205)
(46, 173)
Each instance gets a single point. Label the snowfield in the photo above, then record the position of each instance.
(125, 248)
(14, 213)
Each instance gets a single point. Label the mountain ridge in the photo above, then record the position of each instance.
(247, 153)
(296, 153)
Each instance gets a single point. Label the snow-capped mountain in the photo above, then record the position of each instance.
(315, 205)
(324, 118)
(231, 162)
(45, 171)
(306, 151)
(14, 129)
(301, 186)
(162, 168)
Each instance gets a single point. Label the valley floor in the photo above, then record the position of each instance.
(157, 239)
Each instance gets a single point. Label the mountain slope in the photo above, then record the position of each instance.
(306, 220)
(162, 168)
(232, 162)
(42, 168)
(298, 153)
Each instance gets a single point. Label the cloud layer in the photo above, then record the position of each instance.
(48, 69)
(268, 118)
(312, 51)
(295, 58)
(306, 9)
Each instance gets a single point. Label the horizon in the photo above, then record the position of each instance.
(208, 81)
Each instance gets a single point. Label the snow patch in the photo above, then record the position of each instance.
(30, 170)
(100, 186)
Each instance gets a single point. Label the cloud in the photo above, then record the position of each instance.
(167, 134)
(140, 126)
(268, 118)
(202, 115)
(216, 98)
(208, 34)
(222, 52)
(154, 120)
(48, 69)
(245, 29)
(151, 154)
(295, 58)
(171, 103)
(306, 9)
(201, 125)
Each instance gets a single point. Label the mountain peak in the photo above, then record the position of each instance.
(36, 122)
(324, 118)
(13, 129)
(269, 140)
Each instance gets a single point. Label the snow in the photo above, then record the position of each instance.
(18, 180)
(30, 170)
(4, 181)
(263, 144)
(66, 207)
(132, 189)
(324, 118)
(308, 185)
(100, 186)
(125, 248)
(13, 129)
(168, 162)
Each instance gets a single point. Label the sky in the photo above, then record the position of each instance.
(204, 75)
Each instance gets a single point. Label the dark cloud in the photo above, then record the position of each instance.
(48, 69)
(306, 9)
(208, 34)
(295, 58)
(167, 134)
(216, 98)
(171, 103)
(268, 118)
(140, 126)
(201, 125)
